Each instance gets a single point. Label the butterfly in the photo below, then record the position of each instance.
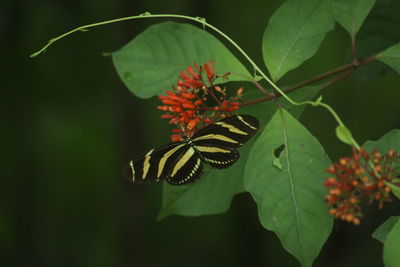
(182, 162)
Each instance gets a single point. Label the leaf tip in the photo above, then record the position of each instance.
(344, 135)
(35, 54)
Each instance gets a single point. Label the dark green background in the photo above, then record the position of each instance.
(68, 126)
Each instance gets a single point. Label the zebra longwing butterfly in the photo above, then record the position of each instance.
(182, 162)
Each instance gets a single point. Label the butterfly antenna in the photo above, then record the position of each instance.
(182, 127)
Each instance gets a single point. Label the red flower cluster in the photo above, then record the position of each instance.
(364, 175)
(195, 101)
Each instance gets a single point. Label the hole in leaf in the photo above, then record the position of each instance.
(278, 151)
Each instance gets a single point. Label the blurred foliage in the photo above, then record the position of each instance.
(69, 125)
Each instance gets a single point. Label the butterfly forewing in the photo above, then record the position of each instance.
(178, 163)
(155, 164)
(217, 142)
(231, 132)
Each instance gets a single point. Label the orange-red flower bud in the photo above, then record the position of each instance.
(192, 124)
(198, 102)
(191, 71)
(331, 169)
(209, 69)
(233, 108)
(354, 200)
(164, 108)
(175, 109)
(167, 116)
(330, 182)
(176, 137)
(218, 89)
(184, 75)
(179, 99)
(334, 191)
(188, 96)
(188, 106)
(198, 68)
(225, 76)
(170, 102)
(332, 211)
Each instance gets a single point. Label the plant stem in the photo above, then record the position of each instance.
(209, 90)
(353, 48)
(351, 67)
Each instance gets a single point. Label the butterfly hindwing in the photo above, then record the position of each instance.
(217, 157)
(187, 168)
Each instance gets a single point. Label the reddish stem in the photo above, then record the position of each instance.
(350, 68)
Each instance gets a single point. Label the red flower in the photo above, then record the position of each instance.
(195, 101)
(364, 175)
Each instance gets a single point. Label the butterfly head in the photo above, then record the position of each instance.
(186, 138)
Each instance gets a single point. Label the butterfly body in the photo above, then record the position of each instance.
(182, 162)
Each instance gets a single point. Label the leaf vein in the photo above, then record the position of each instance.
(294, 42)
(290, 175)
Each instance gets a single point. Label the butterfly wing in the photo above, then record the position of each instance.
(217, 142)
(218, 157)
(186, 168)
(153, 165)
(231, 132)
(177, 162)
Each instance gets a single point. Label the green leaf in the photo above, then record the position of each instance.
(294, 34)
(344, 134)
(277, 163)
(380, 31)
(383, 230)
(391, 255)
(390, 140)
(391, 57)
(150, 64)
(290, 200)
(351, 13)
(211, 194)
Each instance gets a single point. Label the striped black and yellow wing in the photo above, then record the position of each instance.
(177, 162)
(182, 162)
(187, 167)
(217, 143)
